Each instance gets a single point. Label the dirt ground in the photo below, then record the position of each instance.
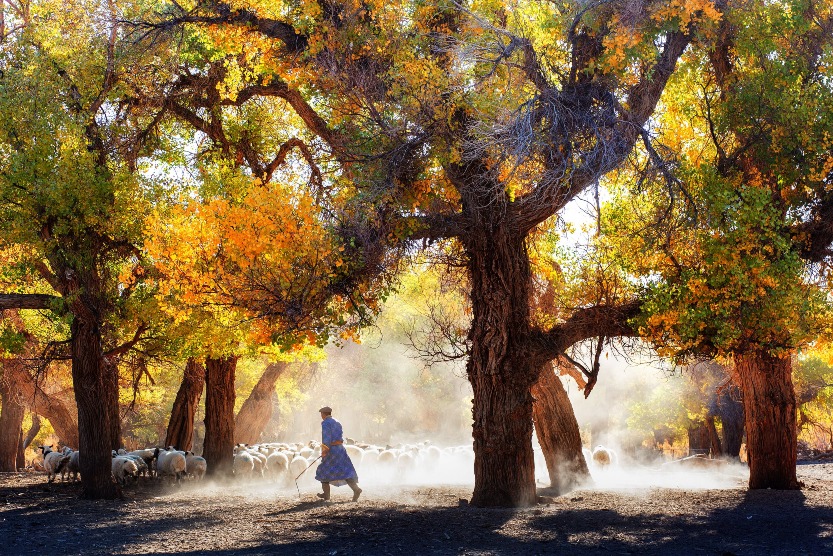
(197, 519)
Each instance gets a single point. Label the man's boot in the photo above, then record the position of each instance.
(326, 495)
(356, 490)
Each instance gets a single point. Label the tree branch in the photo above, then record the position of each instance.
(217, 13)
(610, 321)
(556, 192)
(125, 347)
(26, 301)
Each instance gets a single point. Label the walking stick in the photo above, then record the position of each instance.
(301, 473)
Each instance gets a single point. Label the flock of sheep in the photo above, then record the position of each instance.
(127, 466)
(284, 463)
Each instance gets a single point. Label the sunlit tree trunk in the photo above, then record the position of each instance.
(27, 440)
(770, 409)
(257, 409)
(11, 417)
(501, 368)
(558, 433)
(219, 414)
(181, 425)
(111, 374)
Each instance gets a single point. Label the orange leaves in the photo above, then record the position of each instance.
(261, 267)
(686, 12)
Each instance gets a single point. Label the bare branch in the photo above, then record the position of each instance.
(617, 133)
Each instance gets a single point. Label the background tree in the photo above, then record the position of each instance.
(180, 431)
(71, 199)
(541, 118)
(748, 120)
(814, 396)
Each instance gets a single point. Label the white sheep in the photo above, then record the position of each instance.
(171, 463)
(64, 466)
(124, 468)
(297, 466)
(388, 457)
(73, 467)
(603, 457)
(53, 462)
(195, 466)
(356, 454)
(278, 465)
(141, 464)
(405, 462)
(147, 455)
(260, 462)
(244, 464)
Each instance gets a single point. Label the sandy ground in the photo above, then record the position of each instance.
(36, 518)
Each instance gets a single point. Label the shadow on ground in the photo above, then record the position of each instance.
(757, 522)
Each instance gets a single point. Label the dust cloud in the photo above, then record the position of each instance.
(413, 422)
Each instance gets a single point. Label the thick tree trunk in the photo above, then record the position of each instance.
(715, 449)
(730, 411)
(219, 415)
(501, 368)
(769, 404)
(181, 425)
(698, 439)
(24, 443)
(257, 409)
(11, 417)
(111, 399)
(703, 438)
(93, 396)
(558, 433)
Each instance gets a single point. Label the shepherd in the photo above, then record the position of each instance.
(336, 467)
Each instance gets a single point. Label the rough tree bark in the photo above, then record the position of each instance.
(219, 414)
(769, 405)
(715, 448)
(11, 417)
(111, 374)
(703, 438)
(26, 440)
(93, 396)
(257, 409)
(698, 439)
(181, 425)
(730, 410)
(501, 366)
(95, 381)
(558, 433)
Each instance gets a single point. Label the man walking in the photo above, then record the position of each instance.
(336, 467)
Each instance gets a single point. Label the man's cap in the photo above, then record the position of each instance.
(326, 409)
